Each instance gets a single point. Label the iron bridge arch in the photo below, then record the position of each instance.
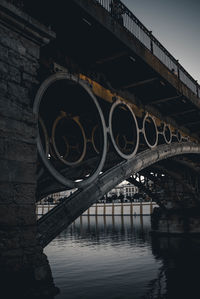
(51, 224)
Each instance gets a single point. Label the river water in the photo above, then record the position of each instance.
(117, 257)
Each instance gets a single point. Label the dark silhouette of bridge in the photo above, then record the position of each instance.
(143, 98)
(107, 102)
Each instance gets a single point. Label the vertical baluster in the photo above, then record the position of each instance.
(113, 208)
(122, 208)
(104, 209)
(141, 208)
(96, 209)
(131, 209)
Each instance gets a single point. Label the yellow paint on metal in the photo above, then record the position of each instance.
(108, 96)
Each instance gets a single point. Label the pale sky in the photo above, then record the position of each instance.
(176, 24)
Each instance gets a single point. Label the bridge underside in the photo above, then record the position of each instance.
(108, 53)
(104, 108)
(65, 213)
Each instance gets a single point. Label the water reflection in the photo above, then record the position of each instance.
(89, 230)
(116, 257)
(180, 258)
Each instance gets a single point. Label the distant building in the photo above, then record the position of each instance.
(127, 190)
(124, 191)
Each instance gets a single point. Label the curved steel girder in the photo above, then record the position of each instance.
(49, 185)
(51, 224)
(36, 108)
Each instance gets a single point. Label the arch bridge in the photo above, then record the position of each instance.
(101, 144)
(106, 102)
(124, 109)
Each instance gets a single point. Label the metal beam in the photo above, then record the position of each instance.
(192, 123)
(158, 101)
(182, 112)
(140, 83)
(112, 57)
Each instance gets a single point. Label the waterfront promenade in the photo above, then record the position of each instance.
(108, 209)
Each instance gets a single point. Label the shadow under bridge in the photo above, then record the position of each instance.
(51, 224)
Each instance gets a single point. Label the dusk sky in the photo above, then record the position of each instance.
(176, 24)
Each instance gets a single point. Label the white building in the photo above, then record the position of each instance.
(125, 189)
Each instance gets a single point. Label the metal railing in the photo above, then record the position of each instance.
(131, 23)
(122, 208)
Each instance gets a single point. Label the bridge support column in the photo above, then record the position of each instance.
(176, 220)
(24, 268)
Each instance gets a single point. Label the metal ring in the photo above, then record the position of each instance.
(144, 133)
(118, 142)
(63, 159)
(166, 126)
(114, 105)
(92, 139)
(178, 136)
(38, 98)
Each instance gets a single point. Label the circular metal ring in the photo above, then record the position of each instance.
(123, 139)
(113, 107)
(178, 136)
(167, 132)
(147, 116)
(92, 139)
(63, 159)
(58, 176)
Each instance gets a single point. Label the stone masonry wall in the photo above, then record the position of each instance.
(18, 156)
(19, 56)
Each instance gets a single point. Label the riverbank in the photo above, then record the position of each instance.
(108, 209)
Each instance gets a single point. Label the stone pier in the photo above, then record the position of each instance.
(182, 220)
(24, 268)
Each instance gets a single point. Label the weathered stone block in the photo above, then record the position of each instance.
(15, 110)
(23, 63)
(18, 237)
(18, 93)
(17, 215)
(8, 72)
(20, 45)
(17, 193)
(17, 150)
(28, 240)
(23, 131)
(17, 172)
(3, 87)
(3, 53)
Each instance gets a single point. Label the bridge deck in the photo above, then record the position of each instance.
(125, 58)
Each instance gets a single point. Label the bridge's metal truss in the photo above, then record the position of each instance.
(90, 144)
(65, 213)
(72, 139)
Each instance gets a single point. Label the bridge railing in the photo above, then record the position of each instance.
(106, 209)
(127, 19)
